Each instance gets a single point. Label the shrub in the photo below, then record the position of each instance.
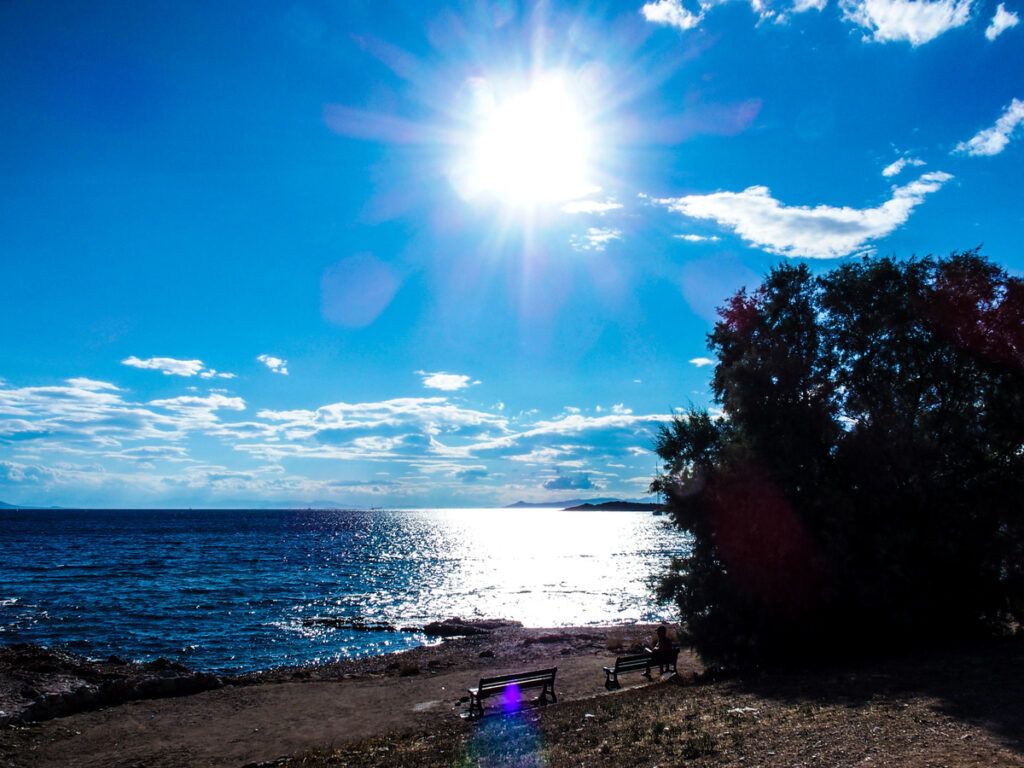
(865, 481)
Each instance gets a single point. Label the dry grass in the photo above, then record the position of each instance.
(616, 640)
(950, 708)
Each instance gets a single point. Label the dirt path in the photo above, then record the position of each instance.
(238, 725)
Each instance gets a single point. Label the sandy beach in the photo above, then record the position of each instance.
(261, 717)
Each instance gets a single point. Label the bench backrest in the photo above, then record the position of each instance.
(522, 680)
(625, 663)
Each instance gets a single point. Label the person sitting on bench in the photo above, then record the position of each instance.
(661, 653)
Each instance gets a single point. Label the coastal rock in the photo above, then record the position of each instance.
(40, 684)
(456, 627)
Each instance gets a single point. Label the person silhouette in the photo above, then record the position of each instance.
(661, 653)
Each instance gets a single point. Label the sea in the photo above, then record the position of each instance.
(233, 591)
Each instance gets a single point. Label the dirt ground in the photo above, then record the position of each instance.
(267, 716)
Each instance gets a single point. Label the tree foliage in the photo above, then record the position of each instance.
(865, 481)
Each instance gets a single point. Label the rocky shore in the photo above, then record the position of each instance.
(39, 683)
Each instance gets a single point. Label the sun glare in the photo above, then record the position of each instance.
(532, 147)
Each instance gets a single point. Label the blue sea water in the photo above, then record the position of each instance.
(240, 590)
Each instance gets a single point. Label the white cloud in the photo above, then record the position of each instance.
(168, 366)
(822, 232)
(699, 238)
(590, 206)
(992, 141)
(700, 362)
(428, 415)
(596, 239)
(913, 21)
(449, 382)
(276, 364)
(896, 166)
(1001, 22)
(800, 6)
(671, 13)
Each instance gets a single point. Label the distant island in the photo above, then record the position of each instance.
(556, 504)
(585, 505)
(616, 506)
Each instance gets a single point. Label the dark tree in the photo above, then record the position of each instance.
(865, 483)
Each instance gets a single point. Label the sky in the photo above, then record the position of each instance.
(410, 254)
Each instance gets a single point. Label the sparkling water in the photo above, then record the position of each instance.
(238, 590)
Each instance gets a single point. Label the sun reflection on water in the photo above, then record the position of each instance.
(548, 567)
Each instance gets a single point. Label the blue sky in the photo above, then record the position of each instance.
(418, 255)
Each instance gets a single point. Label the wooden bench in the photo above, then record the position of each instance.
(666, 662)
(627, 664)
(490, 686)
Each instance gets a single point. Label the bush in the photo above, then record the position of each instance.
(865, 481)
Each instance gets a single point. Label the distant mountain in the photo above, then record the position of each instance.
(4, 505)
(559, 504)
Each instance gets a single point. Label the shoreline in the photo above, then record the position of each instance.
(39, 683)
(260, 716)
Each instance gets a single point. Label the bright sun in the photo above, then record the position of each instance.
(533, 147)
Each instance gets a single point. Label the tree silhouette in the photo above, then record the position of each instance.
(865, 481)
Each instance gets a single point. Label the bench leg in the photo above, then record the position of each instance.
(611, 681)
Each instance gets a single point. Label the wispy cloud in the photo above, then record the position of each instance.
(893, 168)
(448, 382)
(1002, 21)
(84, 415)
(801, 6)
(821, 232)
(595, 239)
(700, 362)
(992, 141)
(699, 238)
(590, 206)
(275, 364)
(913, 21)
(88, 440)
(170, 366)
